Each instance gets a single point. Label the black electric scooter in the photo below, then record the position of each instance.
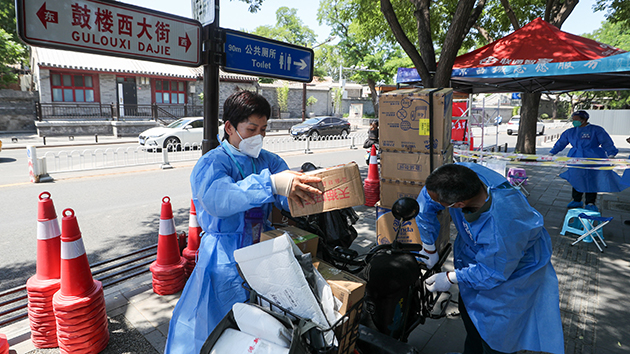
(396, 299)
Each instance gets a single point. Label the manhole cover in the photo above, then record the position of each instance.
(619, 206)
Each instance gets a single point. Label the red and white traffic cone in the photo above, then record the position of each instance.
(372, 184)
(4, 344)
(194, 239)
(79, 304)
(168, 268)
(41, 287)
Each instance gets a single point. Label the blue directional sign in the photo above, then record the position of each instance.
(254, 55)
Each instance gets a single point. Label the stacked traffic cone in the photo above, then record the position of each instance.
(372, 184)
(194, 238)
(41, 287)
(4, 344)
(79, 304)
(168, 268)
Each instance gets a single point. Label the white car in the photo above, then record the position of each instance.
(512, 126)
(184, 132)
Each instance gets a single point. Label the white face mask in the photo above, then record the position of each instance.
(250, 146)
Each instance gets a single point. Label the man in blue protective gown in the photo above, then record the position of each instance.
(234, 187)
(588, 140)
(502, 256)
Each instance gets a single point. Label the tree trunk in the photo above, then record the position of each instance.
(372, 84)
(526, 142)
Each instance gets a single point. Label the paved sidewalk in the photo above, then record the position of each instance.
(593, 285)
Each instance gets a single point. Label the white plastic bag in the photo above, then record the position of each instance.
(256, 322)
(237, 342)
(270, 268)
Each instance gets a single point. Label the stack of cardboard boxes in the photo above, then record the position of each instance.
(404, 139)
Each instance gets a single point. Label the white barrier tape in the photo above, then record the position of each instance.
(192, 221)
(73, 249)
(48, 229)
(167, 227)
(551, 161)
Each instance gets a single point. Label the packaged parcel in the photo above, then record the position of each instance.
(341, 186)
(404, 119)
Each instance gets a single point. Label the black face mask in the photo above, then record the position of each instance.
(468, 210)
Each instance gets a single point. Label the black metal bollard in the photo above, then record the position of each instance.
(96, 138)
(44, 138)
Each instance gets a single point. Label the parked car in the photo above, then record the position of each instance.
(321, 126)
(181, 133)
(512, 126)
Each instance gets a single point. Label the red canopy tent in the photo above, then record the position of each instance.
(537, 42)
(537, 58)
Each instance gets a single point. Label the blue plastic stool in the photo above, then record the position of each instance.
(588, 222)
(573, 224)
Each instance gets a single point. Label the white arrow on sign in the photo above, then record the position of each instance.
(301, 63)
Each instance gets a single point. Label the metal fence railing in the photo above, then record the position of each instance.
(115, 111)
(107, 158)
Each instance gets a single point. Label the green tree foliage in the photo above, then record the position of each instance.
(289, 28)
(617, 11)
(311, 101)
(612, 33)
(283, 97)
(12, 51)
(616, 34)
(364, 44)
(337, 95)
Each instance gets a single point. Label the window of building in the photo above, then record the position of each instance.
(170, 91)
(72, 87)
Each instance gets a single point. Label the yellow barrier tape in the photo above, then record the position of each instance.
(550, 161)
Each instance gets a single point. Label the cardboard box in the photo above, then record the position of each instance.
(342, 187)
(412, 166)
(404, 120)
(386, 227)
(393, 189)
(306, 241)
(349, 289)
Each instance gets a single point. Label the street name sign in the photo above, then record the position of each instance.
(203, 11)
(254, 55)
(110, 28)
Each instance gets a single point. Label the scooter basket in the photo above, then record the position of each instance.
(346, 329)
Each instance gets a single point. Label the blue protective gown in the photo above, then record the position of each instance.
(222, 197)
(503, 265)
(589, 141)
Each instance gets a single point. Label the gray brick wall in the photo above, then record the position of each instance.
(17, 111)
(321, 108)
(143, 92)
(107, 86)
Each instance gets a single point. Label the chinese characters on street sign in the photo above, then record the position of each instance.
(250, 54)
(110, 28)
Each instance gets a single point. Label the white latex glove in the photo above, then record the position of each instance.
(295, 185)
(431, 252)
(441, 281)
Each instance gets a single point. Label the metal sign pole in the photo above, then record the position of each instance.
(213, 47)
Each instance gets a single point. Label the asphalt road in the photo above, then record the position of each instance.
(118, 210)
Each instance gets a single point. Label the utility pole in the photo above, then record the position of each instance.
(304, 84)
